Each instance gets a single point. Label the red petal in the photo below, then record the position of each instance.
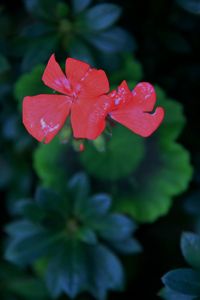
(85, 79)
(144, 95)
(88, 116)
(121, 96)
(90, 105)
(135, 113)
(44, 115)
(75, 70)
(54, 77)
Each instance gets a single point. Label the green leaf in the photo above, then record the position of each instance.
(44, 9)
(163, 173)
(24, 234)
(184, 281)
(112, 164)
(51, 202)
(107, 270)
(102, 16)
(80, 5)
(79, 184)
(43, 47)
(116, 227)
(30, 84)
(190, 246)
(128, 246)
(131, 69)
(167, 180)
(17, 284)
(93, 267)
(22, 228)
(67, 272)
(21, 251)
(98, 205)
(28, 288)
(48, 164)
(192, 6)
(108, 41)
(79, 49)
(174, 120)
(4, 64)
(31, 5)
(169, 294)
(87, 235)
(75, 246)
(36, 29)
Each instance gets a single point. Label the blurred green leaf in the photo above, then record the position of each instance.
(102, 16)
(192, 6)
(30, 84)
(36, 29)
(17, 284)
(98, 205)
(39, 51)
(48, 163)
(116, 227)
(169, 294)
(78, 251)
(165, 171)
(80, 187)
(174, 120)
(112, 40)
(190, 246)
(131, 70)
(21, 251)
(184, 281)
(111, 164)
(88, 236)
(80, 5)
(41, 8)
(28, 288)
(80, 50)
(129, 246)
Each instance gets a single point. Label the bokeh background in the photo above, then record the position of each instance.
(153, 182)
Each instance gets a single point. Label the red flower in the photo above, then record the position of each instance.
(83, 95)
(133, 109)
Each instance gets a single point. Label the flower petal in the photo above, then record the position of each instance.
(121, 96)
(144, 95)
(138, 121)
(44, 115)
(134, 112)
(54, 77)
(75, 70)
(85, 79)
(88, 116)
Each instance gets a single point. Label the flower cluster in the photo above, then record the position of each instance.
(85, 96)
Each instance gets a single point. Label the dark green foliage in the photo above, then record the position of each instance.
(77, 234)
(158, 163)
(190, 246)
(17, 284)
(110, 163)
(76, 31)
(185, 283)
